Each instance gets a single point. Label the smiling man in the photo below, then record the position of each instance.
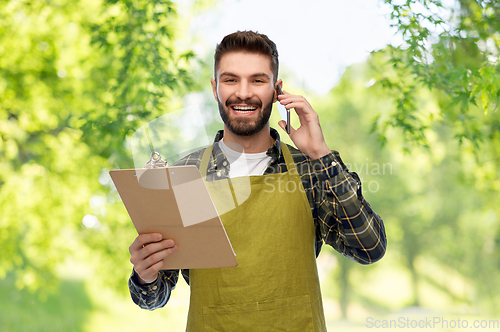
(243, 111)
(276, 233)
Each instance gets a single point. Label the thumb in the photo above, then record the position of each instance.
(282, 124)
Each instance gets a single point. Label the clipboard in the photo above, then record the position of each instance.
(175, 202)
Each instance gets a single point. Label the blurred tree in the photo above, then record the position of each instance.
(452, 50)
(77, 77)
(138, 69)
(42, 93)
(426, 196)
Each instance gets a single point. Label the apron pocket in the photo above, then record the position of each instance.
(288, 314)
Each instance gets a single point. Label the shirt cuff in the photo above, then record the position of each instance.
(327, 166)
(144, 289)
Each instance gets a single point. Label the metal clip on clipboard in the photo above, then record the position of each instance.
(155, 161)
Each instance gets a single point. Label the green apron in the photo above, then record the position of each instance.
(275, 286)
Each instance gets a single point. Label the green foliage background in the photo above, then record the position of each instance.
(419, 123)
(75, 81)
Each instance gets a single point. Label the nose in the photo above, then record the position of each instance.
(244, 91)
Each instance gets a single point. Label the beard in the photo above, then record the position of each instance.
(243, 126)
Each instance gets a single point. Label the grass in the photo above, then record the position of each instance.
(21, 310)
(83, 305)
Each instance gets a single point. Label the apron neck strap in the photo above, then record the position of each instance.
(290, 164)
(204, 161)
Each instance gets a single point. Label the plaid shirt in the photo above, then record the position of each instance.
(343, 218)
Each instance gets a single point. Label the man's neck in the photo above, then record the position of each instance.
(256, 143)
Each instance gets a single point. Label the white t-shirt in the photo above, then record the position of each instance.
(245, 164)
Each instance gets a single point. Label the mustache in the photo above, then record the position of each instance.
(250, 101)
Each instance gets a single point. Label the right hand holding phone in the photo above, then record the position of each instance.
(308, 138)
(147, 253)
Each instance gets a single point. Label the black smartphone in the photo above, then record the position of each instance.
(287, 112)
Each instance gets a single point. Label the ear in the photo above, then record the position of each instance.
(214, 89)
(280, 83)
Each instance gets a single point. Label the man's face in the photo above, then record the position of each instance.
(244, 91)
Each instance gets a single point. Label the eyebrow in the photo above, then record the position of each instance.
(253, 75)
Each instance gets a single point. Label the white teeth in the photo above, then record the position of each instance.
(244, 109)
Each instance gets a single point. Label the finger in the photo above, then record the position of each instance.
(149, 275)
(144, 264)
(152, 248)
(138, 258)
(149, 270)
(286, 97)
(141, 240)
(158, 256)
(300, 104)
(305, 112)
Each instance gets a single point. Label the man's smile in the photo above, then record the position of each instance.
(244, 110)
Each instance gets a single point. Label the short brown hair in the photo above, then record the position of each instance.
(248, 41)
